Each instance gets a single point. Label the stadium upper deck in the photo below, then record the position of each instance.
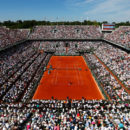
(10, 36)
(66, 32)
(120, 36)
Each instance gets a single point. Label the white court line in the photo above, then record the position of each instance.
(76, 74)
(51, 75)
(56, 77)
(80, 76)
(57, 65)
(66, 72)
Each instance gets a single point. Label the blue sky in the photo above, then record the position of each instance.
(100, 10)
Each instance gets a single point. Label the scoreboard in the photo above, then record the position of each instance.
(108, 27)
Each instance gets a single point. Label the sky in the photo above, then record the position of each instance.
(65, 10)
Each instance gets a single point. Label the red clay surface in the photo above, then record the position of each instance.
(69, 77)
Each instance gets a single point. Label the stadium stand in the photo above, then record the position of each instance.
(67, 114)
(17, 71)
(10, 36)
(120, 36)
(22, 67)
(109, 83)
(65, 32)
(116, 60)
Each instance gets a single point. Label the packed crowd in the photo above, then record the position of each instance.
(35, 80)
(13, 58)
(10, 36)
(21, 69)
(18, 69)
(60, 47)
(117, 60)
(107, 81)
(121, 36)
(67, 47)
(21, 65)
(65, 115)
(65, 32)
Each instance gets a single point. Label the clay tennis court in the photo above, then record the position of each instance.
(67, 76)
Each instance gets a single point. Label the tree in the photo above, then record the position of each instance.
(104, 22)
(31, 23)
